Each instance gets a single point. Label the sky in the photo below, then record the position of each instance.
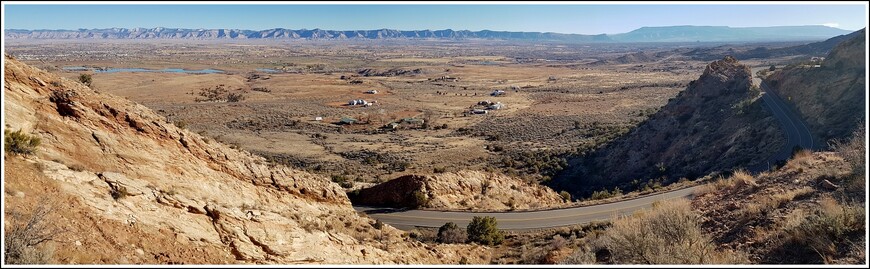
(559, 18)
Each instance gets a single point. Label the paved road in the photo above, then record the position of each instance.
(795, 129)
(531, 220)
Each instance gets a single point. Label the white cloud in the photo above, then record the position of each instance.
(831, 24)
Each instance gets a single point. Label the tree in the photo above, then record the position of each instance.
(484, 230)
(86, 79)
(450, 233)
(772, 68)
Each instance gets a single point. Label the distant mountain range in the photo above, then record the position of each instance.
(645, 34)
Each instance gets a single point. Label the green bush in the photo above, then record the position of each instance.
(450, 233)
(18, 142)
(86, 79)
(484, 230)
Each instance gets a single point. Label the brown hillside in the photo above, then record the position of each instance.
(129, 187)
(716, 124)
(830, 98)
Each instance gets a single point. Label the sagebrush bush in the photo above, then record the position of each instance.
(24, 239)
(668, 233)
(824, 231)
(484, 230)
(450, 233)
(853, 151)
(18, 142)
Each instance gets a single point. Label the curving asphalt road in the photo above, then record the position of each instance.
(530, 220)
(795, 129)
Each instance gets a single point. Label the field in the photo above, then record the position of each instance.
(289, 101)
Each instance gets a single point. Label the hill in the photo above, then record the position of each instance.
(831, 98)
(716, 124)
(728, 34)
(644, 34)
(114, 182)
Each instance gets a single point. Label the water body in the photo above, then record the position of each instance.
(268, 70)
(118, 70)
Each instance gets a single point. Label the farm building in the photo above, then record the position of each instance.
(357, 102)
(496, 106)
(497, 93)
(485, 103)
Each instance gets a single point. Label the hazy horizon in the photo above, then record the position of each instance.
(567, 19)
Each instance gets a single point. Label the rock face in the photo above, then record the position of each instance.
(830, 98)
(121, 162)
(463, 190)
(716, 124)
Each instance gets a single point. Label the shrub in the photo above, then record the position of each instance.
(439, 169)
(378, 224)
(18, 142)
(558, 242)
(420, 199)
(23, 239)
(565, 195)
(449, 233)
(669, 233)
(825, 231)
(484, 230)
(853, 150)
(86, 79)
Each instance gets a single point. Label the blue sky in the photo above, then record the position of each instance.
(580, 19)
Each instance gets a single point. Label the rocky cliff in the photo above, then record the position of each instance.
(463, 190)
(716, 124)
(134, 188)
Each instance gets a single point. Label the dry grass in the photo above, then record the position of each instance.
(854, 152)
(739, 179)
(828, 232)
(767, 203)
(669, 233)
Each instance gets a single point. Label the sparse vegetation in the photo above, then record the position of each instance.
(18, 142)
(565, 195)
(25, 240)
(86, 79)
(420, 199)
(484, 230)
(825, 233)
(449, 233)
(669, 233)
(853, 151)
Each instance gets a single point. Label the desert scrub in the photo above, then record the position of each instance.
(18, 142)
(823, 235)
(668, 233)
(24, 237)
(450, 233)
(86, 79)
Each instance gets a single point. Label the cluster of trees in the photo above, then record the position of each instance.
(483, 230)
